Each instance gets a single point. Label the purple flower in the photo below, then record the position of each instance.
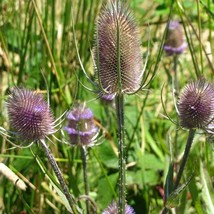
(196, 105)
(116, 17)
(81, 127)
(107, 98)
(113, 209)
(29, 115)
(175, 43)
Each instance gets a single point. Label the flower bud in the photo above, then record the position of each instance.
(196, 105)
(29, 115)
(175, 43)
(116, 19)
(81, 127)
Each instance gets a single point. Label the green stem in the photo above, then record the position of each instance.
(185, 157)
(176, 92)
(175, 63)
(121, 150)
(85, 175)
(58, 173)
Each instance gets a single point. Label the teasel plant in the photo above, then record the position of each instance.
(174, 46)
(83, 133)
(195, 110)
(118, 63)
(117, 60)
(31, 120)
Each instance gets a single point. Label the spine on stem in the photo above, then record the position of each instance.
(58, 173)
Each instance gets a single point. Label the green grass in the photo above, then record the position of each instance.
(152, 140)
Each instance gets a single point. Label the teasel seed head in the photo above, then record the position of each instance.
(175, 43)
(196, 105)
(113, 209)
(81, 127)
(29, 115)
(115, 19)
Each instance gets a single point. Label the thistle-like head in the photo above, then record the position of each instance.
(196, 105)
(113, 209)
(117, 50)
(175, 43)
(29, 115)
(81, 127)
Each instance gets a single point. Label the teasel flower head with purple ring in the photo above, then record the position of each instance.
(30, 117)
(81, 127)
(175, 43)
(113, 209)
(196, 105)
(117, 62)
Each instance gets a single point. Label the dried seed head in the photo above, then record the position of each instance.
(196, 105)
(29, 115)
(81, 127)
(175, 43)
(113, 209)
(116, 19)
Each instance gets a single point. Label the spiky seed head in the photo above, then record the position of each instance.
(29, 115)
(114, 16)
(113, 209)
(81, 127)
(196, 105)
(175, 43)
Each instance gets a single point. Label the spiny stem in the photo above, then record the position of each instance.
(85, 175)
(121, 150)
(58, 173)
(185, 157)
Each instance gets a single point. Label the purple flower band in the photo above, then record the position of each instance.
(177, 50)
(80, 114)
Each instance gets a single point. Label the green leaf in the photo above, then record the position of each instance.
(60, 193)
(174, 198)
(104, 194)
(154, 146)
(150, 161)
(195, 196)
(108, 156)
(168, 187)
(207, 190)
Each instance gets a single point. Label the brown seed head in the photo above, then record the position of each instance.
(116, 16)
